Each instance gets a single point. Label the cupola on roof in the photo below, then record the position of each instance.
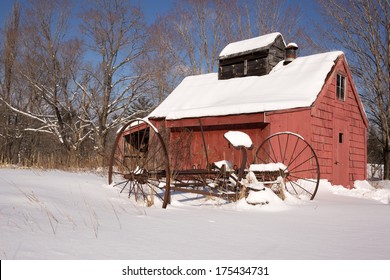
(252, 57)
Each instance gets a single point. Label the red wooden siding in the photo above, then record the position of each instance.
(297, 121)
(341, 163)
(186, 142)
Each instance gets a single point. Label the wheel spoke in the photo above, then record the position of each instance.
(266, 157)
(285, 148)
(124, 186)
(300, 188)
(304, 179)
(294, 150)
(305, 170)
(302, 163)
(275, 158)
(300, 153)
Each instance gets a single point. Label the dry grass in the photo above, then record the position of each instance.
(60, 163)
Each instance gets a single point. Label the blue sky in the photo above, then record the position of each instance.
(150, 7)
(154, 7)
(5, 8)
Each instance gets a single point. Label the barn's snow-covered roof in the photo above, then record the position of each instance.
(294, 85)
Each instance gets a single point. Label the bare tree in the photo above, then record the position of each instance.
(362, 29)
(197, 27)
(163, 62)
(9, 121)
(47, 63)
(257, 17)
(115, 34)
(191, 36)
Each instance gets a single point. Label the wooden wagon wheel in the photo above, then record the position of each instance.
(139, 163)
(301, 171)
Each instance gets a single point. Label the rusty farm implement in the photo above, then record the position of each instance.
(141, 164)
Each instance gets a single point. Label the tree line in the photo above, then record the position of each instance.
(66, 89)
(71, 73)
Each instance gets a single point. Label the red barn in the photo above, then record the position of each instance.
(262, 88)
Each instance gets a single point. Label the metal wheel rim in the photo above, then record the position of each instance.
(301, 160)
(136, 168)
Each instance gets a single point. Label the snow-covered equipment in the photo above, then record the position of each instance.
(142, 160)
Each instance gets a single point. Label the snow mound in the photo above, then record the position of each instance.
(262, 200)
(363, 189)
(265, 196)
(259, 196)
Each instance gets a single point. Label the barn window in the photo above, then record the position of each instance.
(340, 87)
(341, 136)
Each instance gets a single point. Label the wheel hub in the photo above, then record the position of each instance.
(140, 178)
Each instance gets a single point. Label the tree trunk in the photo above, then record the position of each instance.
(386, 162)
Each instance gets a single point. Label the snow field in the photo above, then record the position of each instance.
(64, 215)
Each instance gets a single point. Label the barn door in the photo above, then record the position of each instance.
(341, 153)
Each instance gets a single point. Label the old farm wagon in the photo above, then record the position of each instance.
(141, 163)
(266, 114)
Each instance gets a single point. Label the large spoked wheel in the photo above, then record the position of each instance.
(297, 161)
(139, 163)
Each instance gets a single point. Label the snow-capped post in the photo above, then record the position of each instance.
(240, 141)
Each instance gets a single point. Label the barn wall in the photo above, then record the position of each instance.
(299, 122)
(322, 134)
(341, 163)
(187, 146)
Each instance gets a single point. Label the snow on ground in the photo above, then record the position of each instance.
(65, 215)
